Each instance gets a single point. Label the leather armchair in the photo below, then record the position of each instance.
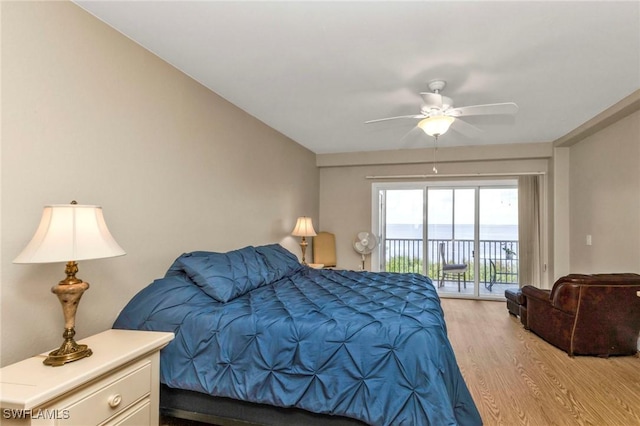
(587, 314)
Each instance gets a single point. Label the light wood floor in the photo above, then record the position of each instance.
(516, 378)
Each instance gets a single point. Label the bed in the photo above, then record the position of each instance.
(260, 336)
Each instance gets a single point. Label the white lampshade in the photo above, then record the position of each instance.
(70, 232)
(437, 125)
(304, 228)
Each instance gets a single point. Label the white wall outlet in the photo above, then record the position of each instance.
(588, 240)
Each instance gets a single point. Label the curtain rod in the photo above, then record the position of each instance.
(515, 174)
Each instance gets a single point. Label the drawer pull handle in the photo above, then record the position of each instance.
(115, 400)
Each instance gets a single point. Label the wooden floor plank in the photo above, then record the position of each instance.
(516, 378)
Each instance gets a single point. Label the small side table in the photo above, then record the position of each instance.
(117, 385)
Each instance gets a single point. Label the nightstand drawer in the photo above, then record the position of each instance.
(140, 414)
(110, 396)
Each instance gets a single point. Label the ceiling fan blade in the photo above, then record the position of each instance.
(432, 99)
(395, 118)
(508, 108)
(412, 139)
(465, 128)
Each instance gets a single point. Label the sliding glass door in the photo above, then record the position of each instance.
(464, 235)
(402, 230)
(498, 239)
(451, 237)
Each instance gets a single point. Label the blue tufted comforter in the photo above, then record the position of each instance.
(256, 325)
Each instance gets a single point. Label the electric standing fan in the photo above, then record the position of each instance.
(364, 243)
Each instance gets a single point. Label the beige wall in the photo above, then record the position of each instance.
(345, 190)
(561, 224)
(604, 191)
(89, 115)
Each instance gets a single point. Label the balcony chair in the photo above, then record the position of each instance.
(450, 269)
(324, 249)
(493, 275)
(587, 314)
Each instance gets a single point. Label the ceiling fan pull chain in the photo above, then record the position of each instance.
(435, 153)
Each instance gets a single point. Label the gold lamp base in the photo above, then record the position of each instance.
(69, 292)
(303, 246)
(68, 352)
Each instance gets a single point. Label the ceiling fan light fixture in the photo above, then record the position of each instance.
(437, 125)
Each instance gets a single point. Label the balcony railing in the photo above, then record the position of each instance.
(498, 258)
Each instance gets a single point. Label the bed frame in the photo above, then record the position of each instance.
(221, 411)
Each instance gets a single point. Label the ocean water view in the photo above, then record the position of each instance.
(447, 232)
(405, 241)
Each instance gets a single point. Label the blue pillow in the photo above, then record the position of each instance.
(225, 276)
(280, 261)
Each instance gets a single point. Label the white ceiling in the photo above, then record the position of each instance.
(315, 71)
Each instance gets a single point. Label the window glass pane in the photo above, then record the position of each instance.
(499, 238)
(404, 213)
(464, 216)
(498, 213)
(440, 214)
(404, 230)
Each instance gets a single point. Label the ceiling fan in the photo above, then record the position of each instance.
(438, 113)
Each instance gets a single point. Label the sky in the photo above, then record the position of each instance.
(498, 206)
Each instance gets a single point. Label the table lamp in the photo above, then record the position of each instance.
(304, 229)
(69, 233)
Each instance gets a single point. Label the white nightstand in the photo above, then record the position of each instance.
(117, 385)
